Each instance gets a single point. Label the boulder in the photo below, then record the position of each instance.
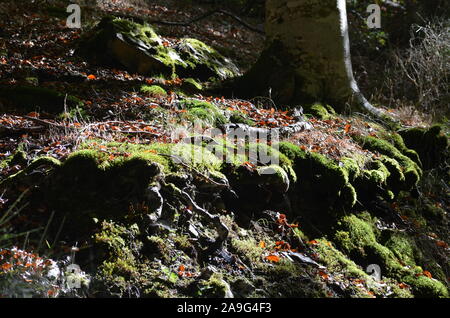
(138, 49)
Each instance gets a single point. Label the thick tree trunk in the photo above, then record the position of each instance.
(307, 55)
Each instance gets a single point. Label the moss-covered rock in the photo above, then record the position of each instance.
(358, 238)
(431, 144)
(319, 177)
(319, 111)
(411, 171)
(139, 49)
(203, 62)
(134, 46)
(204, 111)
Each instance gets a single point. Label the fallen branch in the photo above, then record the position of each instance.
(196, 19)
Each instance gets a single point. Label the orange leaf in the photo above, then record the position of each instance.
(262, 244)
(403, 285)
(323, 275)
(313, 242)
(347, 128)
(427, 274)
(91, 77)
(442, 244)
(273, 258)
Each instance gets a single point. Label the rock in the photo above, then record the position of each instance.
(140, 50)
(203, 61)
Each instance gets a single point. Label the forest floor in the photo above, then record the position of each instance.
(275, 254)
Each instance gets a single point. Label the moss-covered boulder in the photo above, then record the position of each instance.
(358, 237)
(410, 169)
(139, 49)
(321, 181)
(431, 144)
(135, 47)
(203, 62)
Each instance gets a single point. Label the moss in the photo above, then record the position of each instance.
(431, 144)
(248, 249)
(358, 238)
(410, 169)
(423, 286)
(49, 162)
(191, 86)
(348, 196)
(335, 260)
(397, 140)
(319, 177)
(319, 111)
(135, 46)
(396, 177)
(203, 61)
(214, 287)
(275, 177)
(198, 109)
(153, 90)
(291, 151)
(404, 248)
(238, 117)
(30, 98)
(351, 167)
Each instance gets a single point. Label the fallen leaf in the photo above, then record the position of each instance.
(347, 128)
(273, 258)
(262, 244)
(91, 77)
(323, 275)
(427, 274)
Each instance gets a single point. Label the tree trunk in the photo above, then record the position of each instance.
(307, 56)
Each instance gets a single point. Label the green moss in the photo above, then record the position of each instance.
(275, 177)
(335, 260)
(248, 249)
(153, 90)
(351, 167)
(214, 287)
(291, 151)
(398, 142)
(238, 117)
(203, 61)
(49, 162)
(319, 177)
(423, 286)
(396, 177)
(358, 238)
(191, 86)
(410, 169)
(404, 248)
(319, 111)
(198, 109)
(116, 40)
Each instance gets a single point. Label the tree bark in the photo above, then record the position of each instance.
(307, 56)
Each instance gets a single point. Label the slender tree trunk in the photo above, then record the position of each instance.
(307, 56)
